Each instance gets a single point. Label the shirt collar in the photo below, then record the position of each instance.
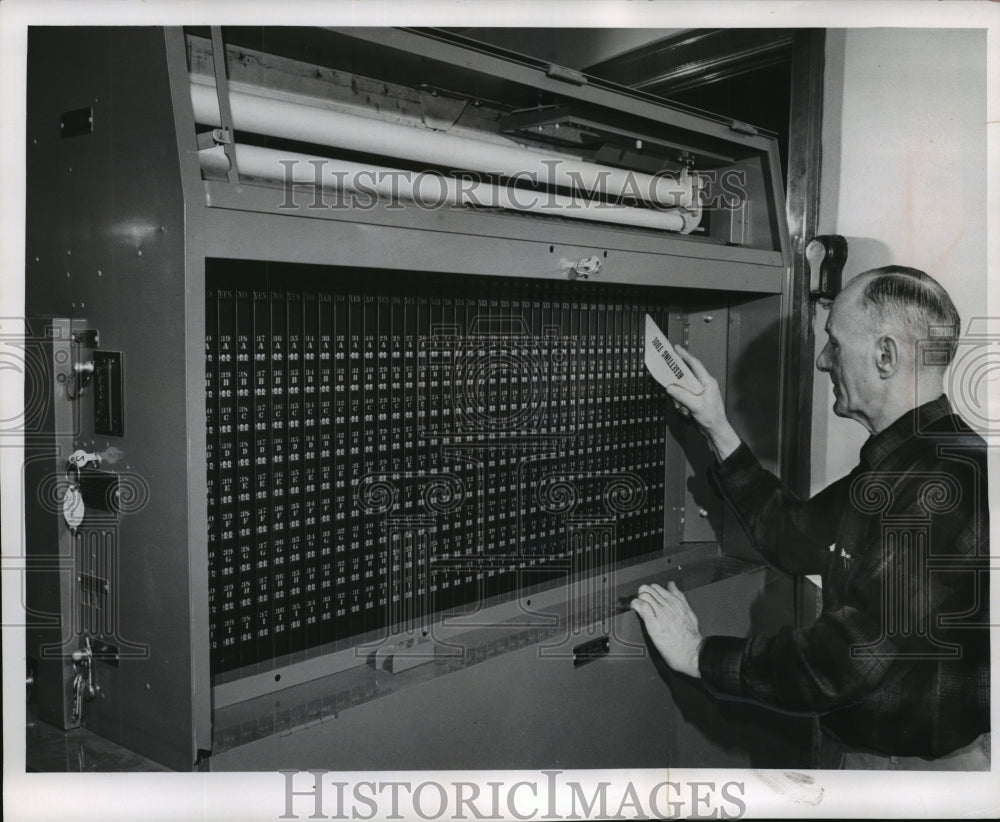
(879, 446)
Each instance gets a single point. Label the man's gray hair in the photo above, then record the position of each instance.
(919, 305)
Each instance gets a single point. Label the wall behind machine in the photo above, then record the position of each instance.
(915, 195)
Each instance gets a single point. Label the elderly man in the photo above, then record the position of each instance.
(897, 664)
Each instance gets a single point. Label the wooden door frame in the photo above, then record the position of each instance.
(802, 190)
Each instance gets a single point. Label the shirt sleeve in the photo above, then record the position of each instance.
(793, 534)
(858, 648)
(809, 671)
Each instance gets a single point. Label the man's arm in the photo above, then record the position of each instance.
(793, 534)
(808, 670)
(706, 408)
(851, 651)
(858, 647)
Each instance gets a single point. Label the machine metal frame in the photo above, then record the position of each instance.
(121, 224)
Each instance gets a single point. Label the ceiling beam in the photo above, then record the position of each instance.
(695, 58)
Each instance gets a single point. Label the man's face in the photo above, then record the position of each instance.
(849, 356)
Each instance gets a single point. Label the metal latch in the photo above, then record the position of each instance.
(591, 650)
(582, 269)
(83, 369)
(83, 679)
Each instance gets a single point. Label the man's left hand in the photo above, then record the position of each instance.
(671, 625)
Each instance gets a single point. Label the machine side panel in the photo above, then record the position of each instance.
(105, 241)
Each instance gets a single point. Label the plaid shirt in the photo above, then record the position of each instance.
(898, 660)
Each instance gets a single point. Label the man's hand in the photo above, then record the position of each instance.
(706, 408)
(671, 625)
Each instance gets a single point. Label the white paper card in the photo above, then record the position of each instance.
(663, 362)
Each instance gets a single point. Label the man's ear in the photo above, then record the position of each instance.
(886, 356)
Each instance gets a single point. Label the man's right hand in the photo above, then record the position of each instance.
(706, 408)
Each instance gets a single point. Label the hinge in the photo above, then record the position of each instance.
(743, 128)
(567, 75)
